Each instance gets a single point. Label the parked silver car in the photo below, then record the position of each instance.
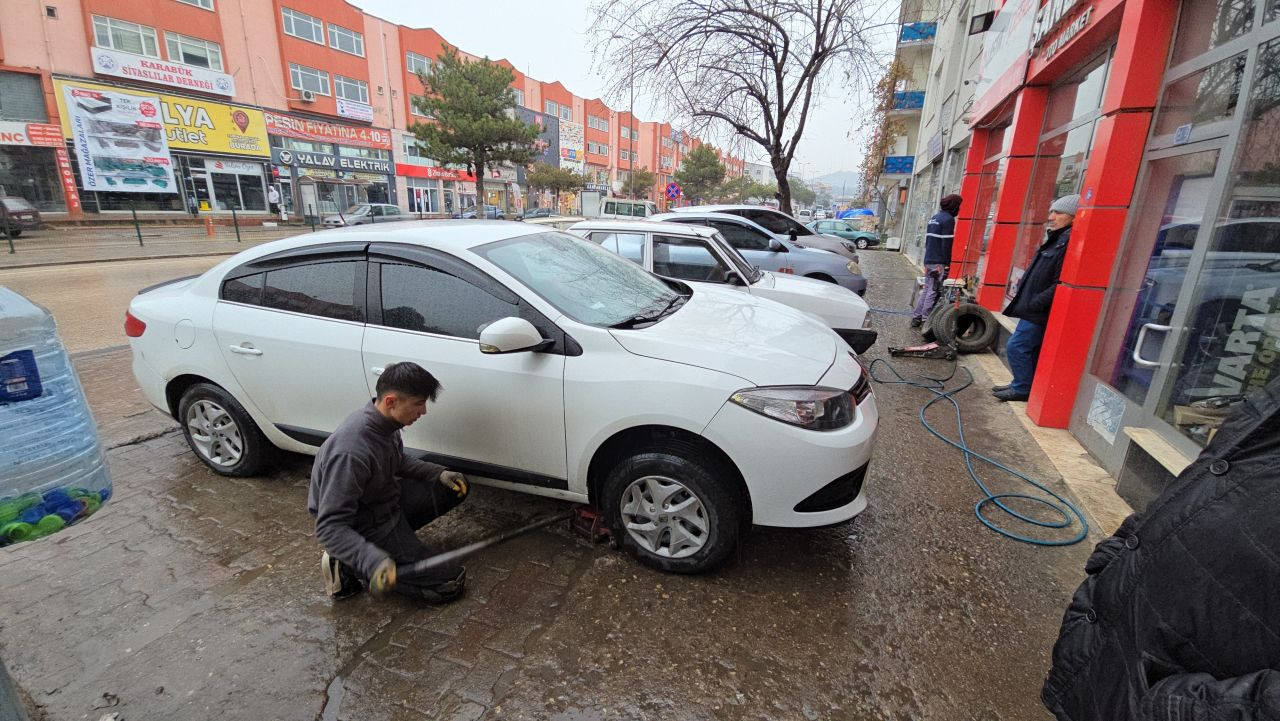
(782, 225)
(780, 255)
(363, 213)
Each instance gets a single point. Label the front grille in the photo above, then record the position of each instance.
(835, 494)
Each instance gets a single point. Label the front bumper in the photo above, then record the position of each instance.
(789, 471)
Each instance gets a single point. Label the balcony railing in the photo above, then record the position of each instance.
(899, 164)
(917, 33)
(908, 100)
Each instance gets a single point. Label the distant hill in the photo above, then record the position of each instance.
(848, 178)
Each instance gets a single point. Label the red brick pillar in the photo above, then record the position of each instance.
(1146, 28)
(968, 243)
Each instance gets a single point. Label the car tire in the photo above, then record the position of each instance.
(968, 327)
(695, 539)
(221, 432)
(861, 243)
(928, 330)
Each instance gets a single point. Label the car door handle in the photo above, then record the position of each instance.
(245, 350)
(376, 371)
(1137, 344)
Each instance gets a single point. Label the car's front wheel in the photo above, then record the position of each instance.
(861, 243)
(221, 432)
(674, 508)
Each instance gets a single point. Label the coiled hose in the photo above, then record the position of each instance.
(1067, 513)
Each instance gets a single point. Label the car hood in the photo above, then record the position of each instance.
(837, 307)
(732, 332)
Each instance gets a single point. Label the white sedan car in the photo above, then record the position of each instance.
(699, 254)
(684, 414)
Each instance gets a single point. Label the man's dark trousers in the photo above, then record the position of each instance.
(420, 504)
(1022, 352)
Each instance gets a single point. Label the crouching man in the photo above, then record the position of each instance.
(369, 497)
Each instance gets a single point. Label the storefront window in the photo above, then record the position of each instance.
(32, 173)
(1206, 24)
(1205, 96)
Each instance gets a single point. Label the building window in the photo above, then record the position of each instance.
(302, 25)
(624, 155)
(597, 123)
(371, 153)
(302, 77)
(566, 113)
(348, 41)
(597, 148)
(550, 108)
(351, 89)
(666, 161)
(416, 63)
(414, 100)
(206, 4)
(193, 51)
(413, 153)
(125, 36)
(666, 143)
(519, 96)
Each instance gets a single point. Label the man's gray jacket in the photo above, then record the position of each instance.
(355, 487)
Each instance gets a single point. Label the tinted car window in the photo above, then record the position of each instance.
(323, 289)
(637, 210)
(432, 301)
(627, 245)
(611, 208)
(740, 236)
(244, 290)
(687, 259)
(774, 222)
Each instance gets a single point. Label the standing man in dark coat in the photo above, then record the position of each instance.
(937, 255)
(1034, 298)
(1178, 618)
(369, 497)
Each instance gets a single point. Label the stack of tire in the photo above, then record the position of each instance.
(965, 326)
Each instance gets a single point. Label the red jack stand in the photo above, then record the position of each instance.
(590, 523)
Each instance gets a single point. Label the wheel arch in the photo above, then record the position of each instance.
(625, 441)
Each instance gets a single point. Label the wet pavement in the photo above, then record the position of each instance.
(192, 596)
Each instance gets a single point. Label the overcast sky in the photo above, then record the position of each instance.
(548, 41)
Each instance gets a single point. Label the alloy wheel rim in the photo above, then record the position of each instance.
(215, 433)
(665, 517)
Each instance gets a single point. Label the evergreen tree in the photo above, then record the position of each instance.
(701, 174)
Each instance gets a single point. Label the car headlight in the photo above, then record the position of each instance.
(813, 407)
(854, 268)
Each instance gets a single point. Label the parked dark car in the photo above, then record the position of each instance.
(861, 238)
(536, 213)
(17, 215)
(492, 212)
(364, 213)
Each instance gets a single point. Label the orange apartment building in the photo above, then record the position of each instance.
(213, 105)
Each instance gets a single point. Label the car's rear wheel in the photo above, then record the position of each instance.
(673, 508)
(221, 431)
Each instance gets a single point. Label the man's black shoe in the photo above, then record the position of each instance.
(997, 389)
(1008, 394)
(917, 322)
(339, 581)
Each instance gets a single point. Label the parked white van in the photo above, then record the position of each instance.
(615, 209)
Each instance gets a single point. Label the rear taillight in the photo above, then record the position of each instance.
(133, 327)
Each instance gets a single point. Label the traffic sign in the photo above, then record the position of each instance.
(673, 190)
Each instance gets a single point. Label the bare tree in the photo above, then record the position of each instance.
(755, 67)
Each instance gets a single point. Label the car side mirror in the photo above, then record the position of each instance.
(776, 246)
(512, 335)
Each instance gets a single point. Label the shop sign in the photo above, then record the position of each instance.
(233, 167)
(153, 70)
(432, 172)
(68, 179)
(282, 156)
(198, 125)
(319, 131)
(40, 135)
(355, 111)
(1051, 16)
(119, 140)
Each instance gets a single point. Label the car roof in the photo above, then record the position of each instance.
(646, 226)
(710, 214)
(448, 235)
(719, 208)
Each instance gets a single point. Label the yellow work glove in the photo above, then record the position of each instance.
(384, 577)
(455, 482)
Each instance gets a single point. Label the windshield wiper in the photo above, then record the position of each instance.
(652, 317)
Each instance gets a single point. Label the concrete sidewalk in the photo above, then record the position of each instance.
(60, 246)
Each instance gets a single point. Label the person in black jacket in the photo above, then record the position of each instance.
(1034, 298)
(937, 255)
(369, 497)
(1178, 618)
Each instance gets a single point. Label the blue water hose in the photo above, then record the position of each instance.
(1067, 513)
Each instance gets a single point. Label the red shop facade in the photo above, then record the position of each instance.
(1155, 112)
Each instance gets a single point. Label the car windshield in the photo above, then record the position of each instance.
(582, 280)
(16, 204)
(357, 209)
(748, 271)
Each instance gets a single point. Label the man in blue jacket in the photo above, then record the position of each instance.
(1033, 300)
(937, 255)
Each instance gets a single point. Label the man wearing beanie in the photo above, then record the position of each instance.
(937, 255)
(1034, 298)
